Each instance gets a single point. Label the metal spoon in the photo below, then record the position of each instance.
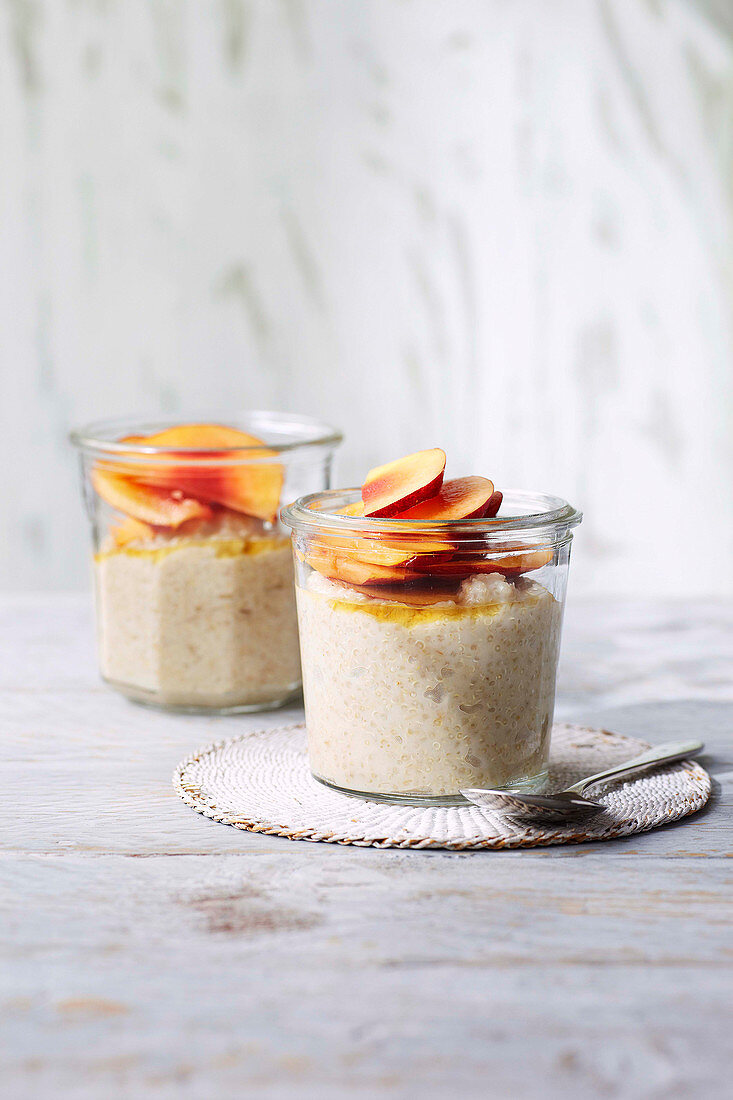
(569, 804)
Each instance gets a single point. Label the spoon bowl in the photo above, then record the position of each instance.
(568, 805)
(564, 806)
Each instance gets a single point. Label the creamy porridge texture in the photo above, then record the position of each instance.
(410, 700)
(204, 620)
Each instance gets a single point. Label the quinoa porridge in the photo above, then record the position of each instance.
(199, 620)
(427, 700)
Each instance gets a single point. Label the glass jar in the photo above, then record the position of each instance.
(193, 576)
(429, 650)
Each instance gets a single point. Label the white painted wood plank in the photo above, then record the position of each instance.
(371, 974)
(147, 951)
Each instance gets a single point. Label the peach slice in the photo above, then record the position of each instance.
(414, 596)
(144, 439)
(352, 571)
(202, 437)
(494, 504)
(383, 550)
(248, 486)
(374, 552)
(343, 567)
(515, 564)
(130, 530)
(510, 565)
(399, 485)
(462, 498)
(148, 503)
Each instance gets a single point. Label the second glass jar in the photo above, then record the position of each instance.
(193, 574)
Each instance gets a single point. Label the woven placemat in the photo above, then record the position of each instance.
(260, 781)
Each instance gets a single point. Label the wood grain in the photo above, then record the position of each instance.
(147, 951)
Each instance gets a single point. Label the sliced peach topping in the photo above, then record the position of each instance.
(343, 567)
(417, 596)
(510, 565)
(524, 562)
(377, 580)
(351, 570)
(459, 499)
(354, 571)
(148, 503)
(397, 486)
(371, 551)
(462, 498)
(203, 467)
(396, 552)
(428, 565)
(381, 549)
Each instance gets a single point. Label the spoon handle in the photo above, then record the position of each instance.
(666, 753)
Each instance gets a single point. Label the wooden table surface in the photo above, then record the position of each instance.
(147, 951)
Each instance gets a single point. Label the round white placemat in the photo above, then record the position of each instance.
(261, 782)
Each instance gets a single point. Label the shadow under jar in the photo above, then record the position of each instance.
(194, 597)
(430, 650)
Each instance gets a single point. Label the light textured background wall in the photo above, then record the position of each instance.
(504, 228)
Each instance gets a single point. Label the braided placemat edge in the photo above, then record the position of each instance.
(528, 837)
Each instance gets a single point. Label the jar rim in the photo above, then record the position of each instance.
(546, 514)
(298, 432)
